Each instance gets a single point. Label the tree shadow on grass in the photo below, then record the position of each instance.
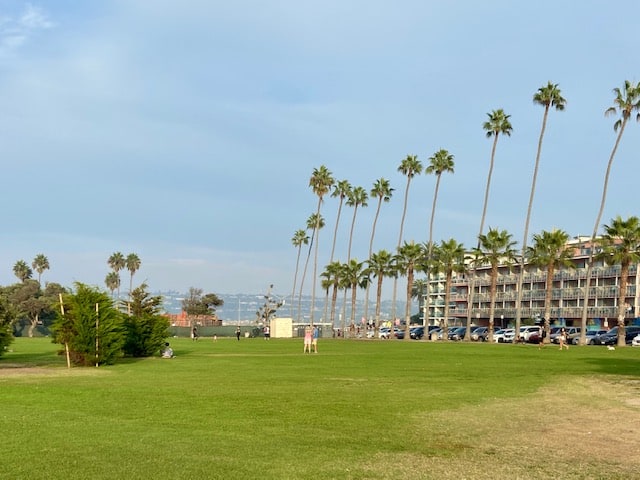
(615, 366)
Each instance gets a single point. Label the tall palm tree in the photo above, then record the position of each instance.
(409, 167)
(497, 124)
(549, 251)
(440, 162)
(40, 264)
(496, 248)
(626, 103)
(332, 276)
(448, 258)
(341, 190)
(132, 263)
(547, 96)
(117, 262)
(112, 281)
(621, 246)
(354, 275)
(357, 197)
(380, 265)
(383, 192)
(409, 258)
(313, 221)
(320, 182)
(22, 271)
(299, 239)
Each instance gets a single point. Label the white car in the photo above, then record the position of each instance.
(504, 335)
(636, 341)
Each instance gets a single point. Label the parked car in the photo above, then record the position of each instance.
(416, 332)
(457, 333)
(636, 341)
(611, 337)
(504, 335)
(527, 330)
(589, 336)
(480, 334)
(384, 333)
(570, 331)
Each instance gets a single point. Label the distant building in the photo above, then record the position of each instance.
(567, 294)
(183, 320)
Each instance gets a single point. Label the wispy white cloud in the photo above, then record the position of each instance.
(16, 30)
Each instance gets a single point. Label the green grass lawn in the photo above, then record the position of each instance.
(264, 410)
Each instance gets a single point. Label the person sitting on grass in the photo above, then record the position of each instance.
(167, 351)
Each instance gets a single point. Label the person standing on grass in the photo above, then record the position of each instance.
(194, 333)
(308, 334)
(562, 338)
(314, 338)
(267, 334)
(542, 336)
(238, 332)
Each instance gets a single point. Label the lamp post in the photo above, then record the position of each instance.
(501, 321)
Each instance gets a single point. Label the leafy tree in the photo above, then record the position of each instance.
(40, 264)
(626, 103)
(496, 248)
(550, 252)
(547, 96)
(409, 167)
(7, 316)
(620, 246)
(146, 329)
(117, 262)
(22, 270)
(320, 182)
(198, 304)
(383, 192)
(299, 239)
(91, 327)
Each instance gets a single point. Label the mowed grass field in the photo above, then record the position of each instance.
(359, 409)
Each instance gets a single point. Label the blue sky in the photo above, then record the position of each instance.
(186, 132)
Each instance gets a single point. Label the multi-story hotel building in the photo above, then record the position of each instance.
(567, 294)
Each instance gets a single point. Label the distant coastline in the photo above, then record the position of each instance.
(242, 307)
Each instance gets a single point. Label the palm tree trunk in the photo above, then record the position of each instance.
(333, 250)
(492, 296)
(378, 300)
(315, 262)
(585, 300)
(622, 297)
(295, 278)
(395, 280)
(304, 272)
(526, 223)
(429, 253)
(547, 302)
(472, 277)
(373, 233)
